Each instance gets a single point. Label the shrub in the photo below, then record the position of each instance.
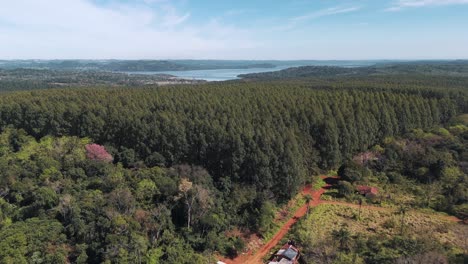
(345, 188)
(389, 223)
(350, 171)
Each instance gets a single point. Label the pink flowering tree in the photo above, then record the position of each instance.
(98, 152)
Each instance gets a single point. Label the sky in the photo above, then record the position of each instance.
(234, 29)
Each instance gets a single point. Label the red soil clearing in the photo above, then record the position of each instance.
(265, 250)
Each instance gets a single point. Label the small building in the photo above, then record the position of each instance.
(367, 191)
(288, 254)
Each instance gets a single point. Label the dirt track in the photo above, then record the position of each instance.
(266, 248)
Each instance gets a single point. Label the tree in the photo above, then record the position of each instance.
(266, 215)
(345, 188)
(41, 239)
(308, 199)
(98, 153)
(343, 236)
(155, 159)
(127, 157)
(351, 171)
(146, 191)
(328, 138)
(402, 210)
(360, 206)
(194, 195)
(461, 211)
(185, 193)
(122, 200)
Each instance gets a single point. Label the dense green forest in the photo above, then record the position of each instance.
(457, 68)
(59, 204)
(182, 165)
(261, 133)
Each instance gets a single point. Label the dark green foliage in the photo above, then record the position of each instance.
(461, 211)
(155, 159)
(32, 79)
(345, 188)
(310, 71)
(266, 216)
(378, 250)
(57, 206)
(434, 68)
(429, 164)
(249, 147)
(343, 237)
(265, 134)
(33, 240)
(351, 172)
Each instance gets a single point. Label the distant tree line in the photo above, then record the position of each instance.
(434, 68)
(33, 79)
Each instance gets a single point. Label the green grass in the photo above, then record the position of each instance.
(291, 208)
(318, 183)
(325, 218)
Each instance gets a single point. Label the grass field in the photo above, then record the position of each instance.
(315, 233)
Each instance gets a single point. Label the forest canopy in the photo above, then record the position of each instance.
(144, 173)
(266, 134)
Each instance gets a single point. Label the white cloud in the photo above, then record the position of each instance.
(156, 29)
(325, 12)
(80, 29)
(402, 4)
(294, 21)
(172, 17)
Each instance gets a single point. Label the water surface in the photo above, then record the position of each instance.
(231, 74)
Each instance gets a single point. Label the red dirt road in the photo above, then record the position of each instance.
(265, 250)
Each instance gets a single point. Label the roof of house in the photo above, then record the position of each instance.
(288, 254)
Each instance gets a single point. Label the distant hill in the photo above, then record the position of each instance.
(310, 71)
(133, 65)
(31, 79)
(457, 68)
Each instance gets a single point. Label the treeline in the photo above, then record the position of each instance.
(269, 135)
(18, 85)
(33, 79)
(429, 68)
(311, 71)
(134, 65)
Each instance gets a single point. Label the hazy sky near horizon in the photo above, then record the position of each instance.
(239, 29)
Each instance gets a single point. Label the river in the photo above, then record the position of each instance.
(231, 74)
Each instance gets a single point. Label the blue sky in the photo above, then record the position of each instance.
(241, 29)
